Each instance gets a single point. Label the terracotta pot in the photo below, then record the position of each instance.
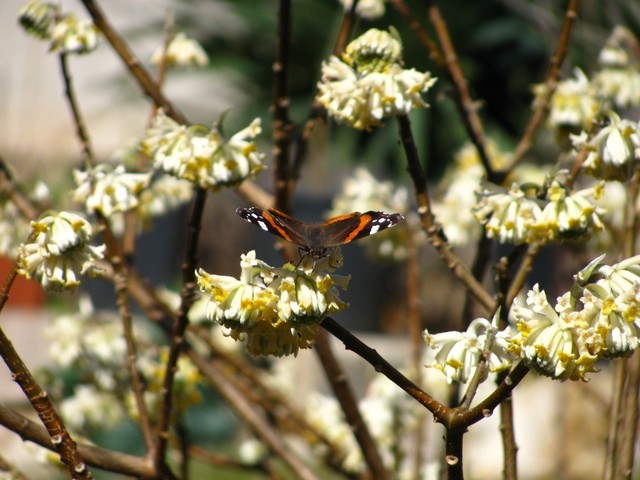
(24, 293)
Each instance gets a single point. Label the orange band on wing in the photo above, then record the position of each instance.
(274, 224)
(342, 217)
(364, 220)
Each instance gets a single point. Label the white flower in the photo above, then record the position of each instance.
(550, 341)
(573, 105)
(252, 451)
(507, 216)
(107, 190)
(74, 35)
(619, 78)
(369, 83)
(614, 151)
(182, 51)
(277, 310)
(458, 353)
(89, 407)
(60, 251)
(567, 216)
(201, 155)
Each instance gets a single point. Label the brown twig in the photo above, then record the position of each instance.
(453, 453)
(168, 37)
(120, 281)
(423, 36)
(88, 157)
(38, 397)
(316, 114)
(345, 396)
(144, 78)
(508, 435)
(101, 458)
(281, 124)
(628, 385)
(179, 327)
(287, 417)
(353, 343)
(542, 107)
(414, 327)
(247, 411)
(467, 107)
(252, 192)
(434, 231)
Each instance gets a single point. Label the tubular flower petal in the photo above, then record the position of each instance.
(60, 252)
(108, 190)
(368, 82)
(182, 51)
(614, 151)
(277, 310)
(201, 155)
(458, 353)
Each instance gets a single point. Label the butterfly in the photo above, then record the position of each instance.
(315, 239)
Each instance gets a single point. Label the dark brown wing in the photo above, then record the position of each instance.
(350, 227)
(277, 223)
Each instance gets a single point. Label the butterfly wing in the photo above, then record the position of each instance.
(277, 223)
(350, 227)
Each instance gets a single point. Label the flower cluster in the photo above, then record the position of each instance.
(201, 155)
(67, 32)
(182, 51)
(389, 415)
(518, 216)
(614, 151)
(618, 79)
(59, 252)
(362, 192)
(277, 310)
(458, 353)
(574, 105)
(368, 82)
(152, 366)
(90, 343)
(598, 318)
(108, 190)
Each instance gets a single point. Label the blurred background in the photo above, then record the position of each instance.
(503, 47)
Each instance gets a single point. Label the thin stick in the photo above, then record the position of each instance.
(316, 115)
(144, 78)
(88, 157)
(248, 412)
(551, 83)
(101, 458)
(343, 392)
(179, 327)
(467, 107)
(434, 231)
(434, 52)
(120, 282)
(281, 123)
(38, 397)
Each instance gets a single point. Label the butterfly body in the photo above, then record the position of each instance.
(316, 238)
